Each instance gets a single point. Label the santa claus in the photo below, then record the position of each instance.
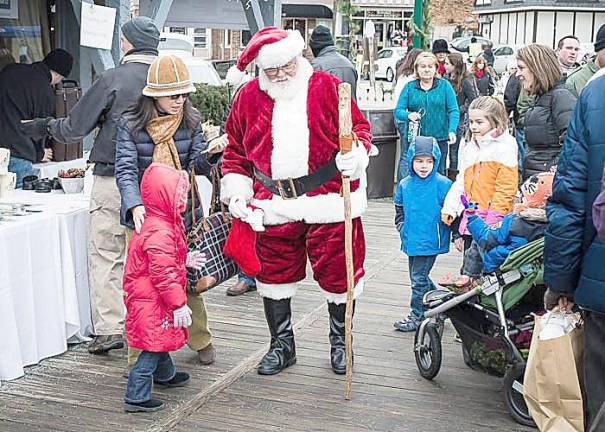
(283, 158)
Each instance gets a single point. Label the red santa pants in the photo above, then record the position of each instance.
(283, 251)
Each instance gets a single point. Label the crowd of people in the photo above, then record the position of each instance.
(487, 172)
(525, 164)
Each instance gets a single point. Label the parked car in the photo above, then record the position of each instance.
(386, 61)
(222, 67)
(503, 54)
(461, 44)
(201, 71)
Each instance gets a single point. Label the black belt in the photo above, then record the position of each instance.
(292, 188)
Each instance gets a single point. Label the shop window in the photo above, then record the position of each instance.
(199, 37)
(24, 31)
(180, 30)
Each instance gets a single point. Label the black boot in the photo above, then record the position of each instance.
(282, 352)
(337, 337)
(452, 174)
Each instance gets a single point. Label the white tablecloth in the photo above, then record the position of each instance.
(51, 169)
(44, 298)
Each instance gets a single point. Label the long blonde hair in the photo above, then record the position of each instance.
(542, 62)
(426, 55)
(494, 111)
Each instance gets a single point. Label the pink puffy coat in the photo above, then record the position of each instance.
(155, 275)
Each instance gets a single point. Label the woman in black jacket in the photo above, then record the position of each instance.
(547, 120)
(462, 82)
(482, 78)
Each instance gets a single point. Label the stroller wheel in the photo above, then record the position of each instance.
(513, 393)
(428, 352)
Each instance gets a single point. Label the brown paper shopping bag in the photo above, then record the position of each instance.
(552, 386)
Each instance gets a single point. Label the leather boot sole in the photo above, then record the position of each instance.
(129, 408)
(291, 362)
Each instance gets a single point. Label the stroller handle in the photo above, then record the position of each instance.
(452, 302)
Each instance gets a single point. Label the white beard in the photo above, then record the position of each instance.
(288, 89)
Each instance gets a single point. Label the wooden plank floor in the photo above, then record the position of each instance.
(80, 392)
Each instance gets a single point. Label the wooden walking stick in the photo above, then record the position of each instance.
(345, 130)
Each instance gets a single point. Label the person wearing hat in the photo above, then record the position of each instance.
(441, 50)
(578, 79)
(328, 59)
(283, 158)
(101, 107)
(26, 91)
(164, 127)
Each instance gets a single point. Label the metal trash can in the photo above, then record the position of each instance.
(381, 171)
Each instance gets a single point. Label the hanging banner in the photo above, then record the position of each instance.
(96, 26)
(9, 9)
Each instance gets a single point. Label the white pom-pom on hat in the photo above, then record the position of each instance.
(235, 76)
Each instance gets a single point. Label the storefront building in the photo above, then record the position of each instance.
(543, 22)
(390, 17)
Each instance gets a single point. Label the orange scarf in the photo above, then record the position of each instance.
(161, 129)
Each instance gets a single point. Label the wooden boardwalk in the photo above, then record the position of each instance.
(80, 392)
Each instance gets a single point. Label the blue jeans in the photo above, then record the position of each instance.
(149, 366)
(22, 168)
(420, 268)
(248, 280)
(402, 166)
(520, 137)
(443, 146)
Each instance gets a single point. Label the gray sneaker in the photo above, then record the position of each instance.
(410, 324)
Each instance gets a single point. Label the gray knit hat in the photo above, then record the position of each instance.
(141, 32)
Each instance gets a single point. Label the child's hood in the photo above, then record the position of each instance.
(423, 145)
(161, 189)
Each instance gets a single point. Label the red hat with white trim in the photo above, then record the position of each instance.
(271, 47)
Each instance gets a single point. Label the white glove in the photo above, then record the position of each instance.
(138, 216)
(255, 220)
(182, 317)
(238, 207)
(195, 260)
(347, 163)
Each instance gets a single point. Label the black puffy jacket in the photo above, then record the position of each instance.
(134, 153)
(545, 125)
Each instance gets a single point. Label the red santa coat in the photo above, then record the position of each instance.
(155, 275)
(289, 136)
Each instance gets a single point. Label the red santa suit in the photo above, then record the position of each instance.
(290, 133)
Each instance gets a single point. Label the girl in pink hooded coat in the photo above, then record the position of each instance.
(157, 315)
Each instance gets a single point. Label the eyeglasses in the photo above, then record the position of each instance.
(185, 96)
(287, 68)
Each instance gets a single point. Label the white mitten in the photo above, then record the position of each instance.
(238, 207)
(195, 260)
(347, 163)
(182, 317)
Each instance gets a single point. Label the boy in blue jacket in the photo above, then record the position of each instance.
(418, 202)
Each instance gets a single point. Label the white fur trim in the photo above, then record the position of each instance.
(290, 130)
(236, 184)
(342, 298)
(235, 76)
(327, 208)
(276, 291)
(281, 52)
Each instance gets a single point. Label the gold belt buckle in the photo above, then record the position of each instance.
(282, 191)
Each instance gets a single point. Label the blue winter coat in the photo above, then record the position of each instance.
(422, 232)
(498, 242)
(439, 103)
(134, 153)
(574, 256)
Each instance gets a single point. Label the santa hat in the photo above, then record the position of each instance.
(241, 247)
(271, 47)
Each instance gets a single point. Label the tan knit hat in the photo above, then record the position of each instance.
(168, 76)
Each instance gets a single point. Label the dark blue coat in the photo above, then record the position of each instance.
(134, 153)
(574, 256)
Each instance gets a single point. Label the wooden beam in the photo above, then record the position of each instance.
(159, 12)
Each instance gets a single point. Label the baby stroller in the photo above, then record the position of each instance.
(494, 322)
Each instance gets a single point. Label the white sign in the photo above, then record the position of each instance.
(96, 26)
(9, 9)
